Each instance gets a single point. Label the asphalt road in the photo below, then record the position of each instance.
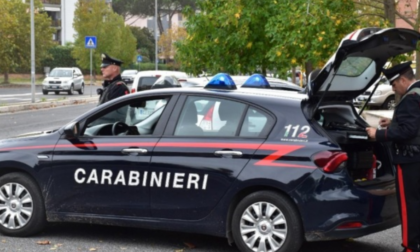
(85, 237)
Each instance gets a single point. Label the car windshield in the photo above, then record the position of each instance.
(61, 73)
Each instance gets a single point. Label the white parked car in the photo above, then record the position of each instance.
(64, 79)
(383, 97)
(128, 75)
(145, 79)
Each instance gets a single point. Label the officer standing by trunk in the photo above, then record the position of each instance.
(404, 133)
(113, 85)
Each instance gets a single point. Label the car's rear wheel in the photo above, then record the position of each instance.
(71, 91)
(389, 103)
(22, 210)
(266, 221)
(44, 92)
(82, 89)
(56, 92)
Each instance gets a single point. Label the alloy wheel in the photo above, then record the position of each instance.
(16, 206)
(263, 227)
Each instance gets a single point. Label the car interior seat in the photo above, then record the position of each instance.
(188, 125)
(230, 112)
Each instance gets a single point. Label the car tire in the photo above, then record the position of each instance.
(56, 92)
(82, 89)
(21, 206)
(389, 103)
(71, 91)
(258, 215)
(44, 92)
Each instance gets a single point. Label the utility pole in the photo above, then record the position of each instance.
(32, 52)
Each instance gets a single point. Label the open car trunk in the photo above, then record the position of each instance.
(369, 162)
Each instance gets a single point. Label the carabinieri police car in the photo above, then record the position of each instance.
(267, 169)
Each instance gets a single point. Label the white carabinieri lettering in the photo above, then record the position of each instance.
(177, 180)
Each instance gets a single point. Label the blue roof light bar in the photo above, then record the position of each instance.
(221, 81)
(256, 81)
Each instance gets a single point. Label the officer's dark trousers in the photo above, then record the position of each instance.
(408, 193)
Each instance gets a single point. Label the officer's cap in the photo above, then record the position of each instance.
(107, 60)
(396, 71)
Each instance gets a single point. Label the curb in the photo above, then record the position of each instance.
(44, 105)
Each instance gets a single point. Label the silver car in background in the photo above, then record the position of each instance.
(64, 79)
(383, 97)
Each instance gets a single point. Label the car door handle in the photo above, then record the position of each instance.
(134, 151)
(228, 153)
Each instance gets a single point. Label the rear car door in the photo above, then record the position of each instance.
(196, 161)
(103, 171)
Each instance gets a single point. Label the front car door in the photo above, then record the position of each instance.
(207, 143)
(104, 170)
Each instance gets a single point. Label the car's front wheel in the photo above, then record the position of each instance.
(389, 103)
(22, 211)
(71, 90)
(267, 221)
(82, 89)
(44, 92)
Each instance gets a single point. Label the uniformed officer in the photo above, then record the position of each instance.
(113, 85)
(404, 133)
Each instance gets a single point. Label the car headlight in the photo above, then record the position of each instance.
(378, 92)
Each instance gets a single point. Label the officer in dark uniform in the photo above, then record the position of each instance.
(113, 85)
(404, 133)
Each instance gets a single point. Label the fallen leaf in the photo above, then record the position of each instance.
(189, 245)
(43, 242)
(179, 250)
(4, 241)
(92, 249)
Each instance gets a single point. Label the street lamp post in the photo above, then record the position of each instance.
(32, 52)
(156, 42)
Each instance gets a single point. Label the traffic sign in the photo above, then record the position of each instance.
(90, 42)
(139, 58)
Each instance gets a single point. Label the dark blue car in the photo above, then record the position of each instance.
(267, 169)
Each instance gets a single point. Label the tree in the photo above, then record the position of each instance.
(146, 8)
(95, 18)
(145, 43)
(308, 32)
(15, 35)
(235, 37)
(166, 42)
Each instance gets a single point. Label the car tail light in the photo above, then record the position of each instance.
(133, 90)
(329, 161)
(353, 224)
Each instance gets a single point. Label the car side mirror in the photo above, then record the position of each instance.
(71, 131)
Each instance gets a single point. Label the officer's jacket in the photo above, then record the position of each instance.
(113, 89)
(404, 130)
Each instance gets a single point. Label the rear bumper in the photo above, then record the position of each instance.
(338, 234)
(335, 208)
